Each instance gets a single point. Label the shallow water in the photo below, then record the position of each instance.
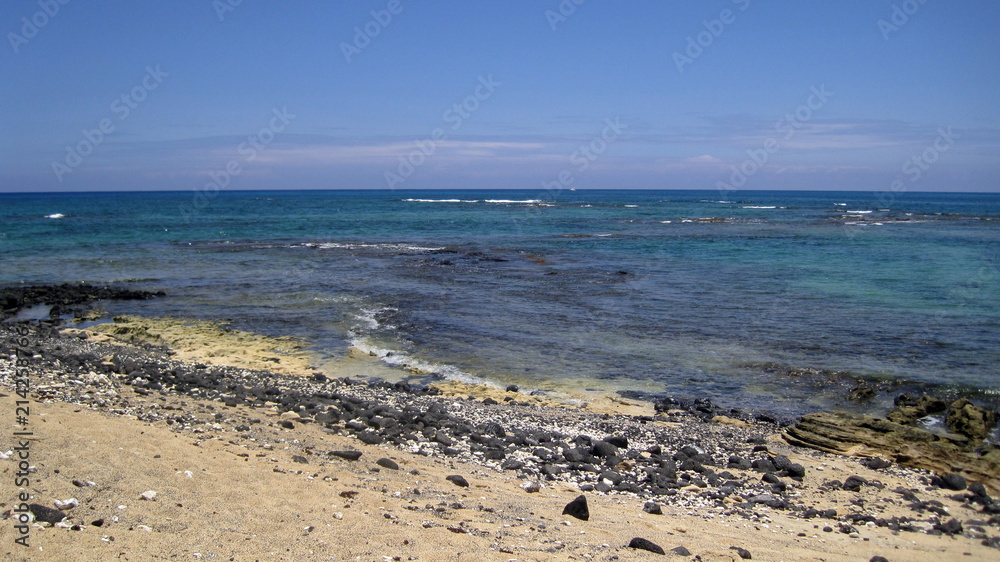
(680, 292)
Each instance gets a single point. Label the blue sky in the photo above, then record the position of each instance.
(253, 94)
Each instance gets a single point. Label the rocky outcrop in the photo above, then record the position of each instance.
(15, 298)
(908, 409)
(972, 421)
(851, 434)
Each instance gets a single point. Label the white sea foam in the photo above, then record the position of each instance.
(441, 200)
(759, 207)
(510, 201)
(858, 212)
(403, 360)
(631, 206)
(55, 216)
(354, 246)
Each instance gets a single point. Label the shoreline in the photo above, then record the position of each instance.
(618, 455)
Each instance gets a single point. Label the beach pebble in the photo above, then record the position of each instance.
(348, 455)
(387, 463)
(878, 559)
(66, 504)
(744, 553)
(640, 543)
(653, 508)
(680, 551)
(854, 483)
(876, 463)
(952, 527)
(953, 482)
(532, 486)
(148, 495)
(512, 388)
(458, 480)
(578, 508)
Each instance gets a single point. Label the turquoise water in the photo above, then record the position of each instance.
(688, 293)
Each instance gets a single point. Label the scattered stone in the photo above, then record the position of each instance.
(578, 508)
(952, 527)
(531, 486)
(854, 483)
(875, 463)
(287, 424)
(349, 455)
(387, 463)
(953, 481)
(652, 508)
(46, 514)
(458, 480)
(640, 543)
(878, 559)
(148, 495)
(300, 459)
(680, 551)
(744, 553)
(512, 388)
(66, 504)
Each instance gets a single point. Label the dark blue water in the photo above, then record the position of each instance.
(743, 299)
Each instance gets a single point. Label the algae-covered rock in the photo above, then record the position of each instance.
(908, 409)
(851, 434)
(970, 420)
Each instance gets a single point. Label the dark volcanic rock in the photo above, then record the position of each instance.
(46, 514)
(744, 553)
(953, 482)
(13, 299)
(458, 480)
(370, 437)
(854, 483)
(952, 527)
(603, 449)
(652, 508)
(640, 543)
(876, 463)
(578, 508)
(680, 551)
(349, 455)
(387, 463)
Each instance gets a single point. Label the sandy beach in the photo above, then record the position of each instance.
(150, 471)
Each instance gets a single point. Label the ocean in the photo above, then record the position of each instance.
(775, 301)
